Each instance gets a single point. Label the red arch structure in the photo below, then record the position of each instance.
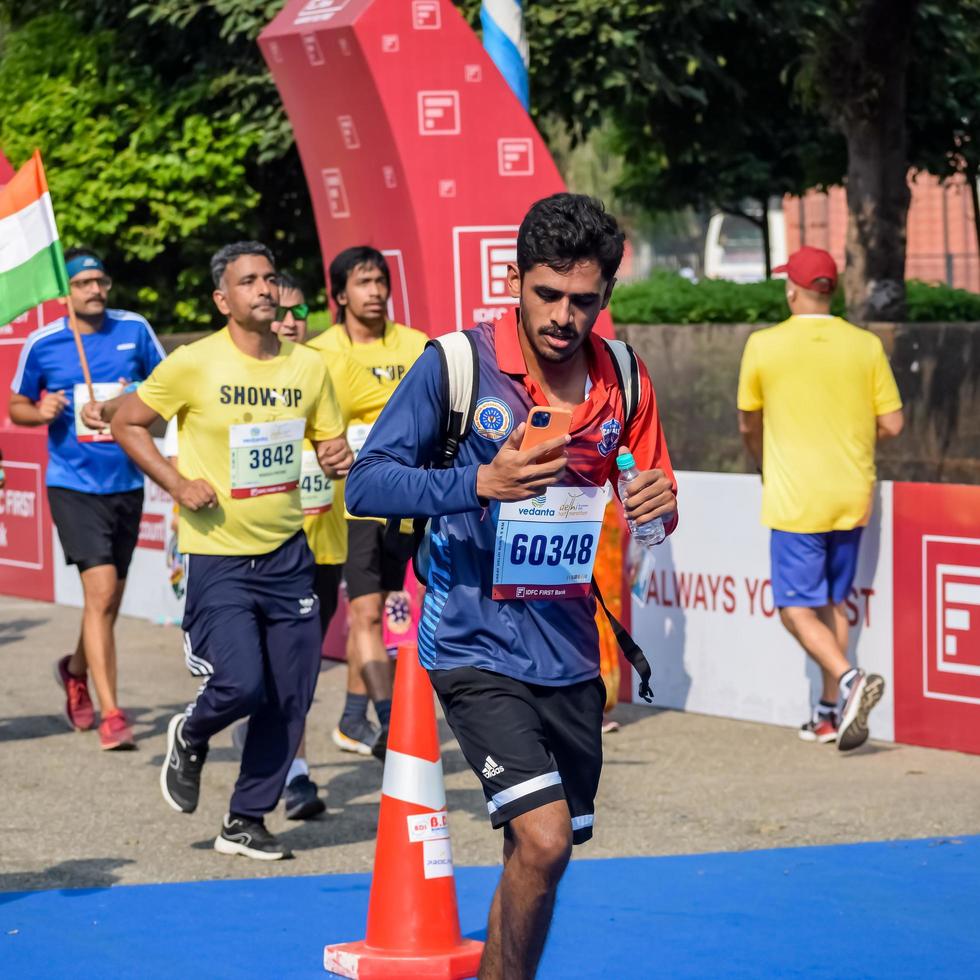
(412, 142)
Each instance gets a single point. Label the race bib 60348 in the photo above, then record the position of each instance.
(546, 547)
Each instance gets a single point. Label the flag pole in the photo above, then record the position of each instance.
(505, 41)
(81, 350)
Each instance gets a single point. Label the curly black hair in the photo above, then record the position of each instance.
(564, 229)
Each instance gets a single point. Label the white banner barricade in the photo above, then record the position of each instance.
(702, 610)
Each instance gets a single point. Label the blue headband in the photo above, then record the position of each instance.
(81, 263)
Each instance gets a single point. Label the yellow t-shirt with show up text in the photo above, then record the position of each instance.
(820, 383)
(241, 423)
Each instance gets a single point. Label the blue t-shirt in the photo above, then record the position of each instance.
(124, 347)
(462, 625)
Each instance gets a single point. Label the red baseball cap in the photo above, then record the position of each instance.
(808, 264)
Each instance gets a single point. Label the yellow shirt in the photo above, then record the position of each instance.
(326, 533)
(386, 360)
(820, 383)
(365, 392)
(241, 423)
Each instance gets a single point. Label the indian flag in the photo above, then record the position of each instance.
(32, 266)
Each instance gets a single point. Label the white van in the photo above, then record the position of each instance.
(733, 246)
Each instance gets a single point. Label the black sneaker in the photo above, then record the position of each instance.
(243, 835)
(180, 777)
(865, 692)
(380, 746)
(301, 799)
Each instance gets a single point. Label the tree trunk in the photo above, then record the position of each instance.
(874, 124)
(766, 244)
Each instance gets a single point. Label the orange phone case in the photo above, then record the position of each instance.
(559, 423)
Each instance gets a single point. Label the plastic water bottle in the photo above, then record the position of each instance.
(653, 531)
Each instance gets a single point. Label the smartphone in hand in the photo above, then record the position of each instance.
(544, 424)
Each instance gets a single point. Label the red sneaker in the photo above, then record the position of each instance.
(78, 704)
(821, 730)
(115, 733)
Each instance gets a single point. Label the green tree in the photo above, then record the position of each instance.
(900, 80)
(716, 102)
(163, 136)
(735, 137)
(700, 96)
(856, 68)
(134, 169)
(944, 106)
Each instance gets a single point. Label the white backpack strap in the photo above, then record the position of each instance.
(460, 370)
(627, 374)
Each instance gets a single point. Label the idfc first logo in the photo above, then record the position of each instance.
(481, 255)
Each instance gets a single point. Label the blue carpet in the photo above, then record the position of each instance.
(898, 909)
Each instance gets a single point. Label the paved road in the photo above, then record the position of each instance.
(673, 783)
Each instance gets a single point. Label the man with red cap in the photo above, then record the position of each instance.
(815, 393)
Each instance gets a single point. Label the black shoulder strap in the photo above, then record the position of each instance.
(628, 645)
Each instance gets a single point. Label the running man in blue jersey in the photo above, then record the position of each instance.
(95, 492)
(518, 679)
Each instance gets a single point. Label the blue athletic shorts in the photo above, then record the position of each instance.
(813, 569)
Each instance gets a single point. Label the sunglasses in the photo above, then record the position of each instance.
(300, 311)
(100, 282)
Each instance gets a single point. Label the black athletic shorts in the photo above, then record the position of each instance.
(97, 528)
(326, 584)
(528, 744)
(374, 565)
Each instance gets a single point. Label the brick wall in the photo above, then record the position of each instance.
(941, 239)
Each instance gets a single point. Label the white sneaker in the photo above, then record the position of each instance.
(866, 691)
(347, 744)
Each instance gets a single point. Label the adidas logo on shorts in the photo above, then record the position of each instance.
(490, 768)
(306, 605)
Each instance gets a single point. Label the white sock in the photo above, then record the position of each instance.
(298, 768)
(823, 710)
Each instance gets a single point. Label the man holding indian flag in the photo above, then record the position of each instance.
(66, 371)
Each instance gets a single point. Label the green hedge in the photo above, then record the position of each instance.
(668, 298)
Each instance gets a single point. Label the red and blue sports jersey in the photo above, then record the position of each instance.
(124, 347)
(540, 642)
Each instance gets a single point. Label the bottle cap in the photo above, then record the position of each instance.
(625, 461)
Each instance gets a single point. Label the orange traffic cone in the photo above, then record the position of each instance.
(413, 923)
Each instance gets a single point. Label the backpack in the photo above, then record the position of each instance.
(460, 371)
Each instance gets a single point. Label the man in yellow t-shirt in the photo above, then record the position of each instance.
(814, 394)
(360, 284)
(244, 402)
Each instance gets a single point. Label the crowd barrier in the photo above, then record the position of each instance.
(702, 609)
(702, 606)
